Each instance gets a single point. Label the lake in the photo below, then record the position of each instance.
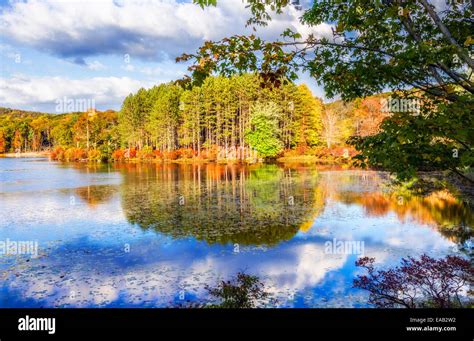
(154, 235)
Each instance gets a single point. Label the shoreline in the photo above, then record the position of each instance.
(26, 155)
(464, 190)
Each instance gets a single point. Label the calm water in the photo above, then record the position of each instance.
(150, 235)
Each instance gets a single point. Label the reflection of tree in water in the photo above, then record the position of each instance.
(89, 167)
(453, 218)
(95, 195)
(221, 203)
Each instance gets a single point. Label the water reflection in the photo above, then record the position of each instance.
(440, 209)
(258, 205)
(95, 195)
(181, 223)
(266, 204)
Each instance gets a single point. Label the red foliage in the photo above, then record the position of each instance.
(185, 153)
(57, 153)
(302, 149)
(78, 154)
(210, 153)
(418, 283)
(158, 154)
(171, 155)
(118, 155)
(145, 154)
(131, 153)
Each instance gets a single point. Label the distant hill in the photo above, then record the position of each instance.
(18, 113)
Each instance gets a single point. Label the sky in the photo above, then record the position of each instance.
(105, 49)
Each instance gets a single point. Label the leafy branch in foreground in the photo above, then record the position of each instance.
(418, 283)
(407, 47)
(242, 291)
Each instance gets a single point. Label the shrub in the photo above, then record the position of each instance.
(418, 283)
(302, 150)
(105, 152)
(146, 153)
(118, 155)
(210, 153)
(57, 154)
(79, 154)
(75, 154)
(94, 155)
(185, 153)
(171, 155)
(243, 291)
(131, 153)
(158, 154)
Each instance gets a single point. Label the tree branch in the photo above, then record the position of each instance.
(460, 51)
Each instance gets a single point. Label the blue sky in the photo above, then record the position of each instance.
(105, 49)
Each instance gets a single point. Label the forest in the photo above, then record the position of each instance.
(225, 118)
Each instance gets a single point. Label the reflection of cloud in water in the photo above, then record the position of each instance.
(351, 223)
(92, 280)
(184, 248)
(154, 274)
(50, 215)
(307, 268)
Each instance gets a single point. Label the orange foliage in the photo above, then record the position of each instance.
(17, 140)
(57, 154)
(75, 154)
(370, 115)
(72, 154)
(185, 153)
(130, 153)
(158, 154)
(171, 155)
(145, 154)
(2, 142)
(210, 153)
(118, 155)
(302, 149)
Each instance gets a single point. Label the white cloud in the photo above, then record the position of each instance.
(142, 28)
(128, 67)
(22, 91)
(95, 65)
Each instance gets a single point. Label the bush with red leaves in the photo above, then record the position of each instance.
(170, 155)
(418, 283)
(118, 155)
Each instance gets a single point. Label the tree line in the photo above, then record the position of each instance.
(225, 117)
(230, 114)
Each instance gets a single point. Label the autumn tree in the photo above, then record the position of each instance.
(2, 142)
(337, 123)
(405, 46)
(369, 115)
(308, 124)
(423, 282)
